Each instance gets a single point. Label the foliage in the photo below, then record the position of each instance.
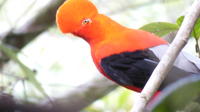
(160, 28)
(182, 96)
(163, 28)
(195, 33)
(28, 73)
(196, 29)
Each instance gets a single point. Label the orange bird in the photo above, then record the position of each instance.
(125, 56)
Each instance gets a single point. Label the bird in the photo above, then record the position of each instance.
(123, 55)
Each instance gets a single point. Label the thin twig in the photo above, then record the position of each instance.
(168, 59)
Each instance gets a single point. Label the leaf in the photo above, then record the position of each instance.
(181, 96)
(160, 28)
(180, 20)
(27, 71)
(196, 29)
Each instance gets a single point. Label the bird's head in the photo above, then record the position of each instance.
(75, 14)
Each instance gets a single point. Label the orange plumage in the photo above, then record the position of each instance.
(105, 36)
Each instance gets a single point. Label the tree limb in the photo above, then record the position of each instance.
(19, 37)
(73, 101)
(84, 95)
(168, 59)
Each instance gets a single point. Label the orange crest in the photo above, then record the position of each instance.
(71, 14)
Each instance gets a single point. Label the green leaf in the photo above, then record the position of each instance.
(181, 96)
(160, 28)
(180, 20)
(196, 29)
(29, 74)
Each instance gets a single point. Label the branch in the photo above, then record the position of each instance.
(19, 37)
(168, 59)
(73, 101)
(84, 95)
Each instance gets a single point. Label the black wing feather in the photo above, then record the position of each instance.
(135, 68)
(129, 68)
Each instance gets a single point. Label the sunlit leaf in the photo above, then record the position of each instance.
(196, 31)
(160, 28)
(29, 74)
(180, 20)
(181, 96)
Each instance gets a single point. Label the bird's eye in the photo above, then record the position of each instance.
(86, 21)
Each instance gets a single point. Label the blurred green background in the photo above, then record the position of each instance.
(58, 62)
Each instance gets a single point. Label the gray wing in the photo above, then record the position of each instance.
(184, 61)
(186, 64)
